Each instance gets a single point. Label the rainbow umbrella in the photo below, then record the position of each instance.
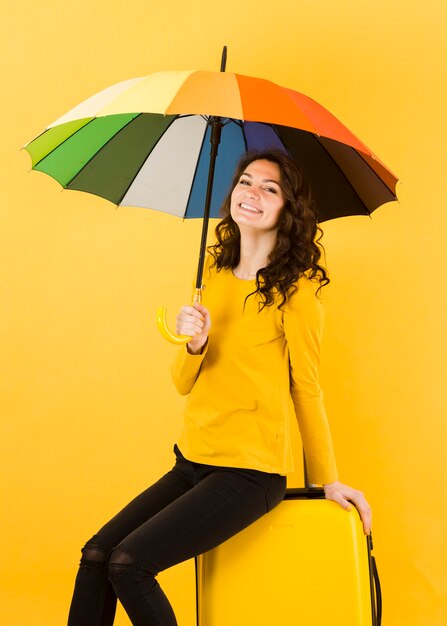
(145, 142)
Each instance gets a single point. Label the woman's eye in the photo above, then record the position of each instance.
(244, 182)
(270, 189)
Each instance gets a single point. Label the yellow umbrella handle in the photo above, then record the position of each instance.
(163, 326)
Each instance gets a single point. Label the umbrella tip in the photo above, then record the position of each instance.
(223, 62)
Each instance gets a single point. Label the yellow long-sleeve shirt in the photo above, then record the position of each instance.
(258, 370)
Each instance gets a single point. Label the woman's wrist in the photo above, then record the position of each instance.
(195, 349)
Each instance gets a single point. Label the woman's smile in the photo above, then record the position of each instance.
(250, 208)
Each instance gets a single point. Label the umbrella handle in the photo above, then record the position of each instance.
(163, 326)
(164, 330)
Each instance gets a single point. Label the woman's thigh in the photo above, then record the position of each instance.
(142, 508)
(224, 502)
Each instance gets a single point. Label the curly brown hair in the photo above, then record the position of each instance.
(297, 250)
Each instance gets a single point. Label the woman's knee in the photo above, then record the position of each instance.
(93, 554)
(120, 562)
(124, 570)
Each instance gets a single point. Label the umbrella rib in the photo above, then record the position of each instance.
(144, 161)
(359, 154)
(101, 148)
(375, 173)
(273, 126)
(340, 169)
(62, 142)
(242, 125)
(195, 170)
(315, 135)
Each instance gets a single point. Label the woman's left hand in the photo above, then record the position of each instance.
(344, 496)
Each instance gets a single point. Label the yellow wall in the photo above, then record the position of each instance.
(88, 411)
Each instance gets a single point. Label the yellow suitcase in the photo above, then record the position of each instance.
(306, 563)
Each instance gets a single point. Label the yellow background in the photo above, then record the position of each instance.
(88, 412)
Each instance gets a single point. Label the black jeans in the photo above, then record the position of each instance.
(190, 510)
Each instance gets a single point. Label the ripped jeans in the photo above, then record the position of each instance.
(190, 510)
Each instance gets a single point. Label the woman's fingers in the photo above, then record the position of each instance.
(189, 321)
(200, 308)
(345, 496)
(206, 318)
(337, 497)
(193, 321)
(365, 513)
(190, 312)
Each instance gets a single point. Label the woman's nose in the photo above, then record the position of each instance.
(253, 192)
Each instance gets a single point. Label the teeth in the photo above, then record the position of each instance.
(249, 208)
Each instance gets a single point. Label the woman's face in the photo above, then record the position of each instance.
(257, 199)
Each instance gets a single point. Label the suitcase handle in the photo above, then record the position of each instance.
(376, 591)
(377, 594)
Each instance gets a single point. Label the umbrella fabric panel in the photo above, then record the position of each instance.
(382, 172)
(337, 196)
(52, 138)
(152, 94)
(111, 171)
(260, 136)
(208, 93)
(232, 146)
(77, 150)
(330, 127)
(93, 105)
(257, 96)
(327, 125)
(164, 181)
(367, 185)
(350, 187)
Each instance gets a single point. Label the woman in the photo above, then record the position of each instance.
(250, 366)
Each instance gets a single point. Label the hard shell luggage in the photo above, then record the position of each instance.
(306, 562)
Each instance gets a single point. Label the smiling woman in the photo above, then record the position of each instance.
(250, 367)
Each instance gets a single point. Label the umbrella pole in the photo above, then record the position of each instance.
(216, 129)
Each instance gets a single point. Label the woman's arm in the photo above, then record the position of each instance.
(303, 327)
(194, 321)
(303, 324)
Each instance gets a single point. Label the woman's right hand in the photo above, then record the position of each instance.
(194, 321)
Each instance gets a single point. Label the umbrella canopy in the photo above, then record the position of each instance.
(144, 142)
